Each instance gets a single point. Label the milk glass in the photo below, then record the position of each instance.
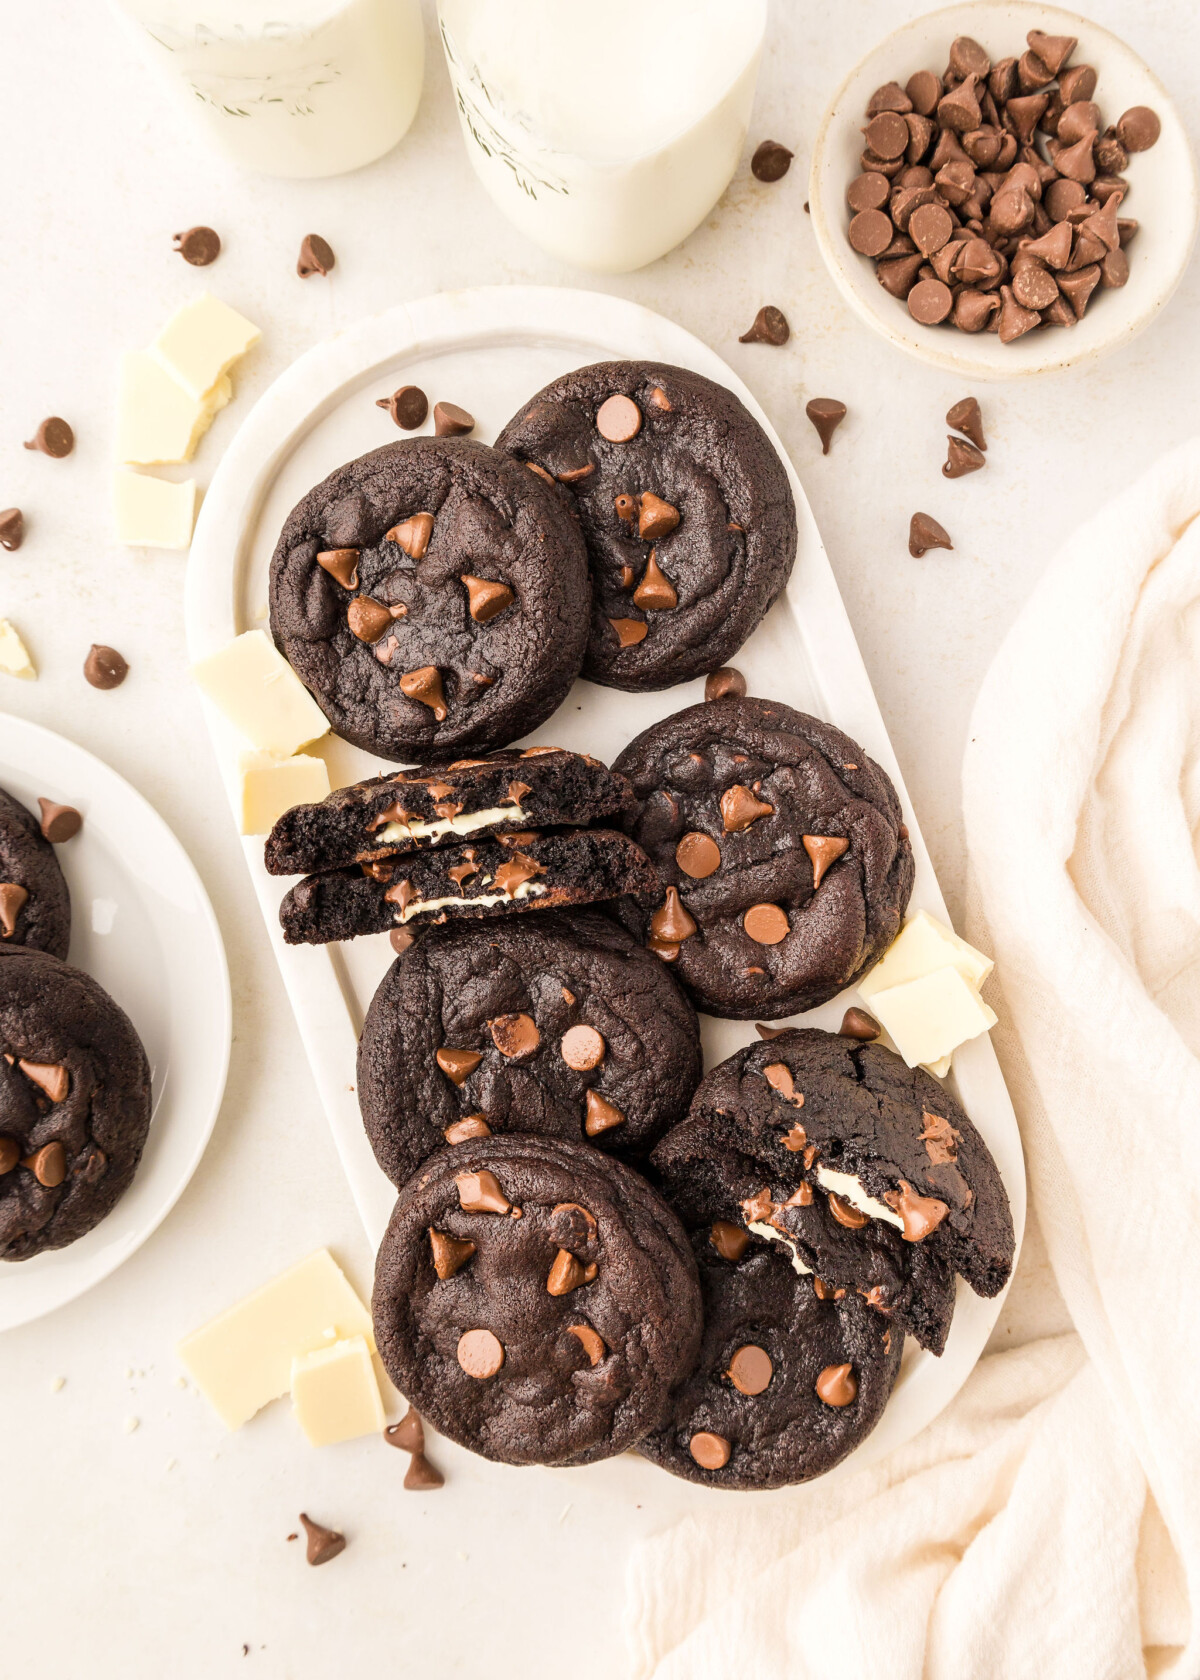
(605, 131)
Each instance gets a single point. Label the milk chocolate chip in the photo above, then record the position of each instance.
(104, 667)
(316, 256)
(59, 822)
(769, 326)
(726, 681)
(710, 1451)
(515, 1036)
(750, 1369)
(324, 1544)
(425, 685)
(925, 533)
(698, 855)
(618, 419)
(12, 529)
(53, 437)
(408, 407)
(837, 1385)
(450, 1254)
(451, 421)
(600, 1115)
(199, 246)
(826, 414)
(480, 1353)
(730, 1241)
(771, 161)
(824, 850)
(480, 1192)
(582, 1048)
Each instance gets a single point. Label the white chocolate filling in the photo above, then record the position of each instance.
(763, 1230)
(850, 1189)
(527, 889)
(465, 823)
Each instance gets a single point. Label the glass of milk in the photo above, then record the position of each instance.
(291, 87)
(605, 131)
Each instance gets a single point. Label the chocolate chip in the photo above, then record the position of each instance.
(925, 533)
(629, 631)
(719, 685)
(750, 1369)
(451, 421)
(198, 246)
(12, 897)
(771, 161)
(480, 1353)
(341, 564)
(766, 924)
(769, 1032)
(770, 324)
(670, 922)
(1138, 128)
(837, 1385)
(480, 1192)
(710, 1451)
(869, 191)
(408, 407)
(740, 808)
(515, 1036)
(568, 1274)
(59, 822)
(856, 1023)
(826, 414)
(324, 1544)
(10, 1154)
(778, 1076)
(367, 618)
(890, 97)
(412, 534)
(425, 686)
(656, 518)
(591, 1342)
(845, 1213)
(48, 1165)
(1114, 270)
(618, 419)
(582, 1048)
(469, 1127)
(824, 850)
(730, 1241)
(12, 529)
(965, 417)
(449, 1253)
(963, 457)
(871, 232)
(486, 597)
(422, 1476)
(53, 437)
(698, 855)
(400, 940)
(655, 592)
(458, 1065)
(887, 135)
(921, 1214)
(104, 667)
(316, 256)
(930, 301)
(600, 1115)
(924, 89)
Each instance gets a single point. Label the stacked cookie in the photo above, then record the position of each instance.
(74, 1080)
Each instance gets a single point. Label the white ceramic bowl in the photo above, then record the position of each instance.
(1163, 194)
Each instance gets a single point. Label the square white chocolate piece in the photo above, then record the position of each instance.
(940, 1068)
(335, 1396)
(923, 945)
(153, 512)
(202, 341)
(243, 1359)
(260, 694)
(14, 655)
(931, 1016)
(158, 421)
(271, 786)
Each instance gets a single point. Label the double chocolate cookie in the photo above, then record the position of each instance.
(490, 878)
(792, 1374)
(784, 866)
(74, 1102)
(560, 1025)
(685, 505)
(440, 804)
(35, 907)
(433, 596)
(535, 1300)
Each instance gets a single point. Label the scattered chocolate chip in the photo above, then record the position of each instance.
(845, 1213)
(890, 97)
(718, 685)
(316, 256)
(1138, 128)
(921, 1214)
(656, 518)
(618, 419)
(582, 1048)
(408, 1434)
(868, 192)
(871, 233)
(940, 1138)
(837, 1385)
(59, 822)
(12, 897)
(925, 533)
(104, 667)
(710, 1451)
(930, 301)
(671, 922)
(470, 1126)
(480, 1353)
(568, 1274)
(965, 417)
(486, 598)
(458, 1065)
(412, 535)
(730, 1241)
(769, 327)
(422, 1476)
(451, 421)
(962, 458)
(323, 1543)
(408, 407)
(856, 1023)
(515, 1036)
(778, 1076)
(655, 593)
(449, 1253)
(740, 808)
(766, 924)
(480, 1192)
(600, 1115)
(12, 529)
(400, 939)
(53, 437)
(341, 564)
(425, 686)
(590, 1340)
(769, 1033)
(198, 246)
(698, 855)
(826, 414)
(629, 631)
(750, 1369)
(771, 161)
(48, 1165)
(824, 850)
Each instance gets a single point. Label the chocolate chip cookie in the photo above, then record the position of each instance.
(433, 596)
(793, 1373)
(440, 804)
(35, 907)
(685, 505)
(561, 1025)
(783, 862)
(535, 1300)
(74, 1102)
(491, 878)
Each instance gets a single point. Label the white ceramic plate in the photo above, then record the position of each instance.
(1162, 195)
(489, 350)
(141, 924)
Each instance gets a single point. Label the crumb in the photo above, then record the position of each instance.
(128, 1373)
(562, 1515)
(171, 1463)
(132, 1424)
(245, 1650)
(293, 1537)
(57, 1384)
(180, 1382)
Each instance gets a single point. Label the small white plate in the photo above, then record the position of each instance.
(142, 925)
(1163, 195)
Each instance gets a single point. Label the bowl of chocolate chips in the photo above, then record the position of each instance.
(1004, 189)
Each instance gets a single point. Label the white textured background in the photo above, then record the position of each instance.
(114, 1563)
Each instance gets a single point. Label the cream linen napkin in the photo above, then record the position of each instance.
(1049, 1521)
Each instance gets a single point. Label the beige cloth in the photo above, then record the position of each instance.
(1020, 1535)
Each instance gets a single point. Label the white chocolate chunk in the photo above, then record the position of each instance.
(923, 945)
(465, 823)
(243, 1358)
(419, 906)
(931, 1016)
(940, 1068)
(772, 1235)
(153, 512)
(158, 421)
(335, 1395)
(14, 655)
(851, 1190)
(260, 694)
(202, 341)
(272, 785)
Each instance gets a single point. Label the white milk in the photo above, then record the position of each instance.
(604, 129)
(291, 87)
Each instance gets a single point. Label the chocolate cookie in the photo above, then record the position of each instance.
(535, 1300)
(866, 1171)
(489, 878)
(784, 865)
(74, 1103)
(792, 1374)
(685, 505)
(560, 1025)
(440, 804)
(35, 907)
(432, 595)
